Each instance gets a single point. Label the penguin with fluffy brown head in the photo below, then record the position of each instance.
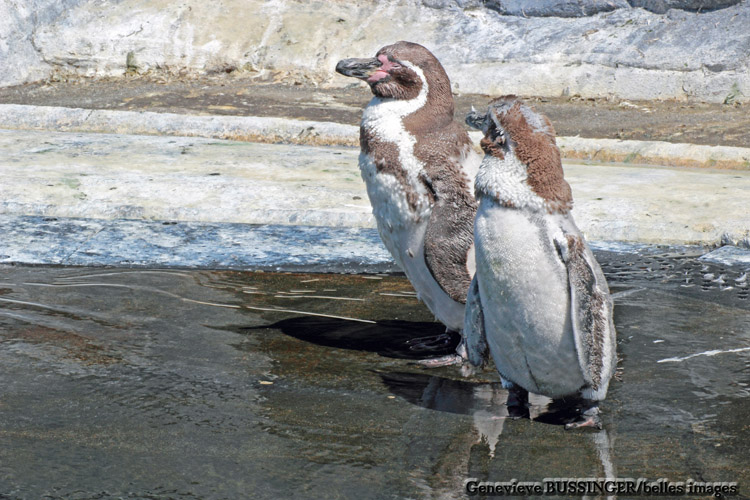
(539, 301)
(418, 165)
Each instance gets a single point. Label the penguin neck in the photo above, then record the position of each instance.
(388, 109)
(436, 113)
(383, 121)
(432, 109)
(531, 174)
(505, 182)
(388, 150)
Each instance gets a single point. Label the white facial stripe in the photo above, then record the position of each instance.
(390, 107)
(506, 182)
(383, 118)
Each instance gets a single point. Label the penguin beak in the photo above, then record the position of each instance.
(358, 68)
(476, 120)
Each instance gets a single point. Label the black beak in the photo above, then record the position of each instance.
(358, 68)
(476, 120)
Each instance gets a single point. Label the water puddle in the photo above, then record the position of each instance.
(224, 384)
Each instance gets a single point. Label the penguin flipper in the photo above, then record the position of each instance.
(474, 334)
(590, 312)
(449, 238)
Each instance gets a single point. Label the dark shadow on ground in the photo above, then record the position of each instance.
(398, 339)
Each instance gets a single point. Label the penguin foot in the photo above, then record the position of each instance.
(429, 343)
(448, 360)
(518, 402)
(589, 418)
(439, 341)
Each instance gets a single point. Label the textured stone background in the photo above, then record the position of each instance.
(634, 49)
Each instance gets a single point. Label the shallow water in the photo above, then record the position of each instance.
(124, 383)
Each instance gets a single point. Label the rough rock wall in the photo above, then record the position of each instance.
(635, 49)
(21, 60)
(579, 8)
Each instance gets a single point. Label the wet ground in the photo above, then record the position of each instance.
(122, 383)
(237, 94)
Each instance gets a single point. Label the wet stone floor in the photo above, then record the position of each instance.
(125, 383)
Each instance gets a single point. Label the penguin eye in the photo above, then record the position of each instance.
(393, 63)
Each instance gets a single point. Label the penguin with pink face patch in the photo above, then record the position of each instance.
(418, 165)
(539, 300)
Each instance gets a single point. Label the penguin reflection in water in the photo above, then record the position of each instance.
(418, 165)
(539, 301)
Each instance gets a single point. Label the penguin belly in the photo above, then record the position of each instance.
(408, 244)
(403, 233)
(525, 298)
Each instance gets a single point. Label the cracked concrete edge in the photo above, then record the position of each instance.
(285, 130)
(39, 240)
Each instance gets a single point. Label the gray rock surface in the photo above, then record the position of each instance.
(191, 179)
(554, 8)
(661, 6)
(140, 243)
(578, 8)
(660, 49)
(21, 59)
(729, 255)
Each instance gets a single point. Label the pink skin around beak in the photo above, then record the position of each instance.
(383, 70)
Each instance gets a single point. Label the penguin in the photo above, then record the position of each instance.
(418, 165)
(539, 301)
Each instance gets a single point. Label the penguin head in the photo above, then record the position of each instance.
(496, 141)
(400, 71)
(518, 135)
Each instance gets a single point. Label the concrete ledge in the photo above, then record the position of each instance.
(263, 247)
(288, 131)
(238, 128)
(113, 176)
(655, 153)
(133, 243)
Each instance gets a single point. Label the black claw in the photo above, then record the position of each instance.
(430, 343)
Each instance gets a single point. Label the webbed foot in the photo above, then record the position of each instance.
(448, 360)
(588, 418)
(426, 343)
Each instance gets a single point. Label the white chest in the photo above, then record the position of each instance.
(505, 181)
(397, 193)
(398, 201)
(525, 299)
